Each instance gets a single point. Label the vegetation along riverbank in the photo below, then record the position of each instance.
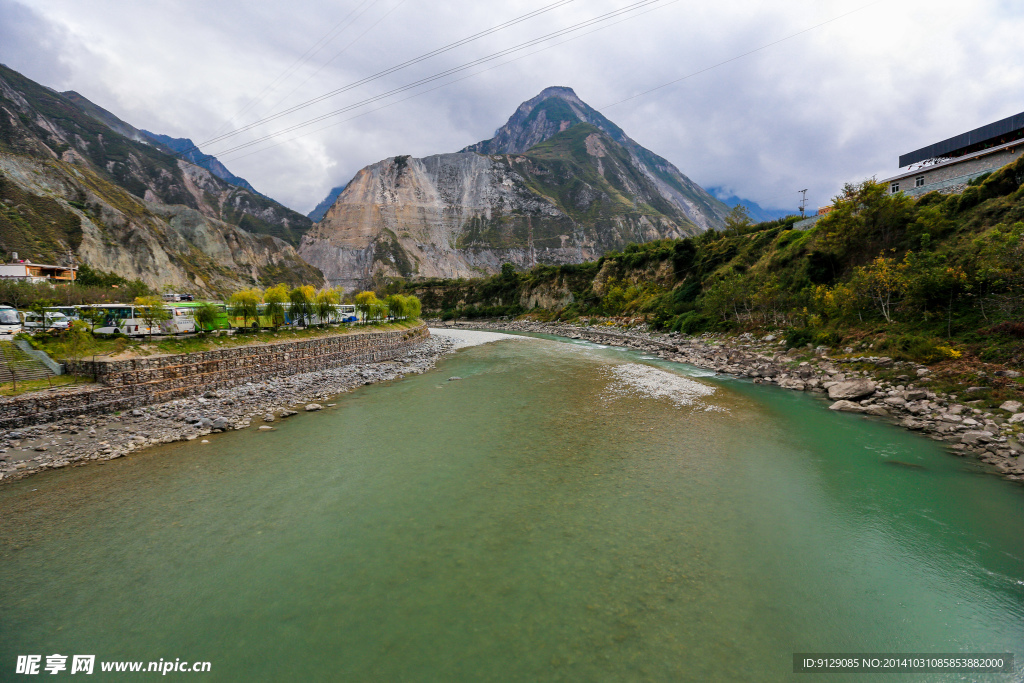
(925, 280)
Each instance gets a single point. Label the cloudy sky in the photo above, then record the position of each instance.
(836, 103)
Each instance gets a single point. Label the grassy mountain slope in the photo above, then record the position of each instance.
(936, 279)
(74, 190)
(44, 123)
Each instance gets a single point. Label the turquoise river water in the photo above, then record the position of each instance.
(550, 517)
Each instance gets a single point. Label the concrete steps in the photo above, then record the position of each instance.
(17, 365)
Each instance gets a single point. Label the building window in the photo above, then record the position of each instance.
(919, 181)
(894, 188)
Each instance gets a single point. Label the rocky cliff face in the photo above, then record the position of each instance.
(558, 184)
(568, 200)
(76, 190)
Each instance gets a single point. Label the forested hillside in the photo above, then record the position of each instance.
(932, 278)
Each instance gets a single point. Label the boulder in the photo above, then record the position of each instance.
(269, 417)
(974, 438)
(1011, 406)
(851, 389)
(311, 407)
(847, 407)
(896, 401)
(877, 410)
(220, 423)
(791, 383)
(1014, 419)
(915, 394)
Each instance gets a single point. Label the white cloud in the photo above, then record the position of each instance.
(836, 104)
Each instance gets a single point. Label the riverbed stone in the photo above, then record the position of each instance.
(975, 438)
(847, 407)
(1016, 418)
(851, 389)
(312, 407)
(269, 417)
(1011, 406)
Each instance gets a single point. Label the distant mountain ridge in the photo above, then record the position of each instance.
(320, 210)
(757, 213)
(557, 184)
(186, 149)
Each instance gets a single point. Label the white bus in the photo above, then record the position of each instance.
(127, 320)
(10, 321)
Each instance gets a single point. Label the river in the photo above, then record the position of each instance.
(564, 512)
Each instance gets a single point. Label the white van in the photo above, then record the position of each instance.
(33, 322)
(10, 321)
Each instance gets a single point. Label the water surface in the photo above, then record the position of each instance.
(538, 520)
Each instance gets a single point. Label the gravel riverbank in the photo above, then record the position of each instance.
(85, 439)
(849, 385)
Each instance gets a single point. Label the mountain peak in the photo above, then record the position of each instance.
(558, 108)
(535, 120)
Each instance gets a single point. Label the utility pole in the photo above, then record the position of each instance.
(803, 203)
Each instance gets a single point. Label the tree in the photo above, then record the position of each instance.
(93, 316)
(737, 220)
(302, 299)
(275, 298)
(245, 305)
(152, 311)
(76, 340)
(366, 303)
(206, 315)
(325, 304)
(396, 304)
(413, 307)
(884, 280)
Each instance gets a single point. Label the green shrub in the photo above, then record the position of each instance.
(799, 336)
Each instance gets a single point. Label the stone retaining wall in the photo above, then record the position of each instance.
(126, 384)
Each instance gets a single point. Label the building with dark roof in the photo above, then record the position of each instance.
(948, 166)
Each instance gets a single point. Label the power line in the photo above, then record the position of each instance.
(338, 54)
(447, 72)
(733, 59)
(393, 69)
(451, 82)
(305, 57)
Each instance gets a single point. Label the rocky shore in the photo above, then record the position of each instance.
(84, 439)
(850, 384)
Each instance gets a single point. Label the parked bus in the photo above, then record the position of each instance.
(127, 319)
(10, 321)
(220, 322)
